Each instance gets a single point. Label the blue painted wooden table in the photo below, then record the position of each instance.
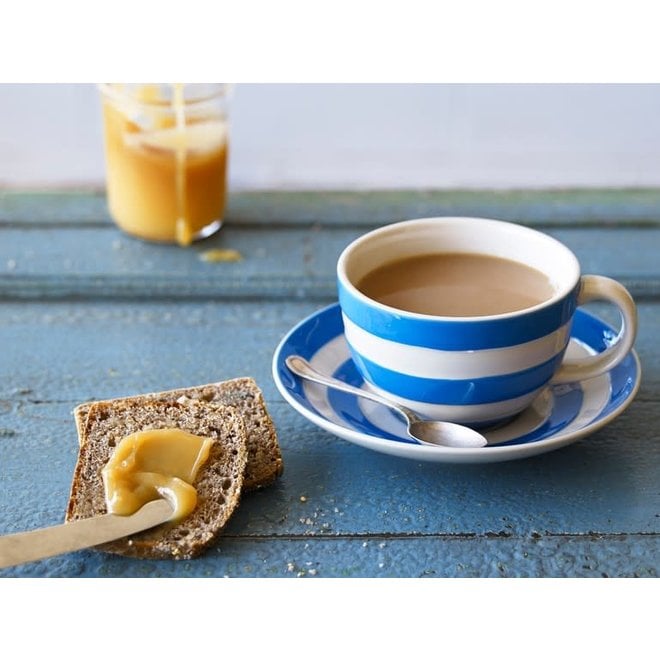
(87, 312)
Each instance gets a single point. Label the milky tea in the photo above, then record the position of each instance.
(457, 284)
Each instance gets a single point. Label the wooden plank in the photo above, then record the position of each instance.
(589, 510)
(290, 263)
(432, 557)
(534, 207)
(68, 352)
(606, 484)
(597, 207)
(54, 208)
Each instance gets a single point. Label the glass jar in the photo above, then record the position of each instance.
(166, 158)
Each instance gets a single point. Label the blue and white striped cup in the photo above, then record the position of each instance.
(473, 370)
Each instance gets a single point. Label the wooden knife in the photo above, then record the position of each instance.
(49, 541)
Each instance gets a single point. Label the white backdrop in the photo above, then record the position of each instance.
(370, 136)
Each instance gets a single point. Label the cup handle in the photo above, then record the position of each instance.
(596, 287)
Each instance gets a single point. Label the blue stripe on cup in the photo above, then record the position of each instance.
(458, 392)
(457, 334)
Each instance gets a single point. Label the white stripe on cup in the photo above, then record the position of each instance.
(475, 413)
(454, 365)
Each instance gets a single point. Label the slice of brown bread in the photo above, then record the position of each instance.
(264, 455)
(218, 482)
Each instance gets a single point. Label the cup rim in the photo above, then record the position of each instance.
(346, 253)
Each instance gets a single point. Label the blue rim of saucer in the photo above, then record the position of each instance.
(573, 411)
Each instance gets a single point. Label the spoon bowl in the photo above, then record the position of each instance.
(426, 432)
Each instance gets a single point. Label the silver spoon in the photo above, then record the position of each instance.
(434, 433)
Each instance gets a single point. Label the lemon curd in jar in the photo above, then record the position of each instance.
(166, 161)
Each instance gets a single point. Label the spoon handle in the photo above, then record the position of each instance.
(304, 369)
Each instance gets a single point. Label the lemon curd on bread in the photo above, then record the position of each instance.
(147, 465)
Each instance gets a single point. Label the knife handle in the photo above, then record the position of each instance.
(49, 541)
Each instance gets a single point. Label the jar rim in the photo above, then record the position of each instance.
(118, 91)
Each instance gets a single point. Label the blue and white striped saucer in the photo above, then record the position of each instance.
(559, 416)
